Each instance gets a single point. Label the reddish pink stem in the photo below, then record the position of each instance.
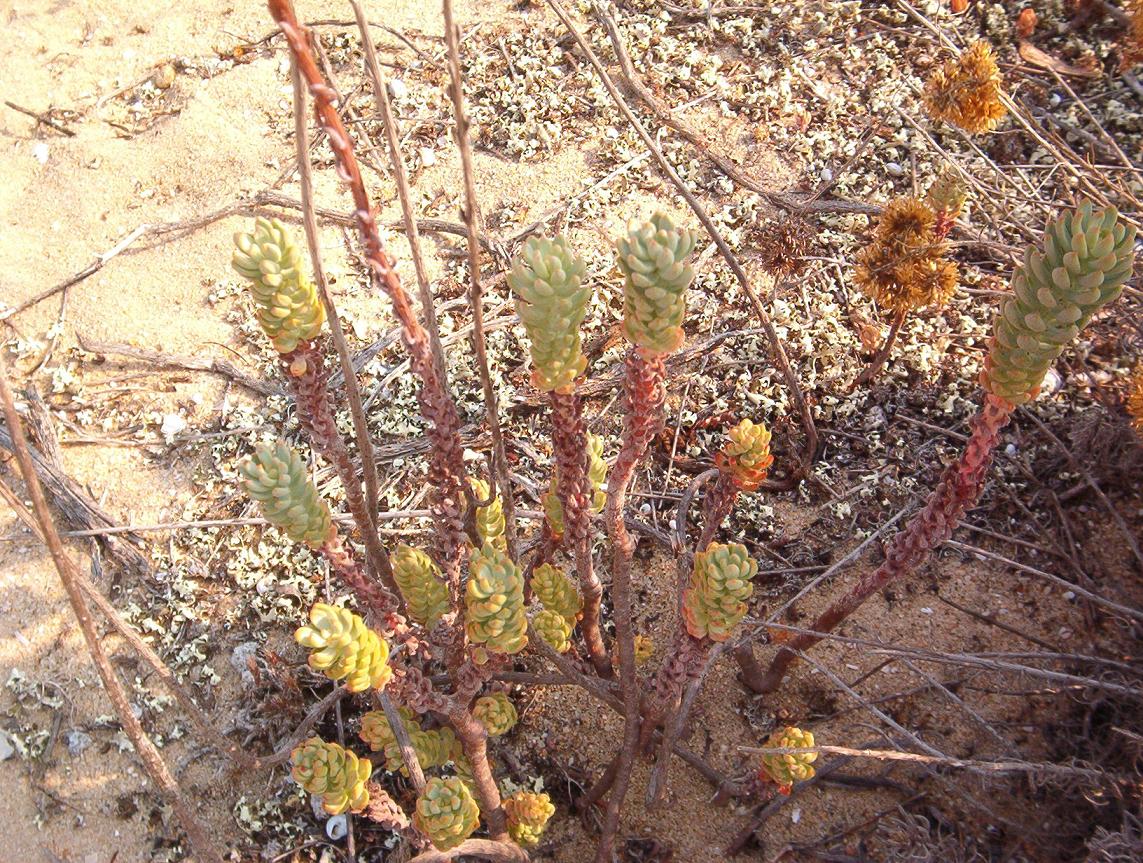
(958, 490)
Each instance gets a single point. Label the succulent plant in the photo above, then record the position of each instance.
(496, 713)
(1086, 257)
(494, 602)
(334, 773)
(556, 592)
(418, 577)
(946, 195)
(551, 301)
(596, 474)
(965, 91)
(714, 601)
(746, 455)
(787, 769)
(378, 733)
(344, 647)
(653, 259)
(288, 306)
(489, 519)
(644, 649)
(528, 816)
(446, 812)
(554, 628)
(276, 477)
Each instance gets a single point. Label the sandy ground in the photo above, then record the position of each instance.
(67, 199)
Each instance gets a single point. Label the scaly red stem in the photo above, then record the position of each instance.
(569, 440)
(958, 490)
(307, 378)
(446, 463)
(380, 604)
(643, 419)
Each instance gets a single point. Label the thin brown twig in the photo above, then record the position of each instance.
(157, 771)
(875, 364)
(408, 752)
(401, 178)
(378, 557)
(476, 296)
(779, 352)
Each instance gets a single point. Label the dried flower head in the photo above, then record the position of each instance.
(905, 267)
(966, 91)
(782, 245)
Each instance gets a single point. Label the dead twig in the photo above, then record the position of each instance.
(153, 764)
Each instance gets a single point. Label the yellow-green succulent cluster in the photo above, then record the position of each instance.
(344, 647)
(489, 519)
(334, 773)
(947, 194)
(528, 816)
(597, 476)
(793, 767)
(494, 602)
(644, 649)
(547, 279)
(746, 455)
(434, 747)
(556, 592)
(653, 259)
(714, 601)
(289, 309)
(1086, 257)
(276, 477)
(554, 629)
(496, 713)
(418, 578)
(446, 812)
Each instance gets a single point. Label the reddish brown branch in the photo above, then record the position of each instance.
(875, 364)
(446, 456)
(959, 489)
(569, 440)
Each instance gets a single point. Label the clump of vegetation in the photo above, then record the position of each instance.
(966, 91)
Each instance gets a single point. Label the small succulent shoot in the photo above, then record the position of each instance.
(489, 519)
(342, 646)
(1135, 398)
(596, 474)
(644, 649)
(714, 601)
(556, 592)
(276, 477)
(528, 816)
(1086, 257)
(289, 310)
(419, 580)
(653, 260)
(335, 774)
(496, 713)
(551, 301)
(446, 812)
(904, 268)
(494, 602)
(966, 92)
(377, 733)
(745, 456)
(946, 197)
(785, 770)
(554, 629)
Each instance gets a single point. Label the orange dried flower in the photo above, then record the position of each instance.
(905, 267)
(1132, 47)
(966, 91)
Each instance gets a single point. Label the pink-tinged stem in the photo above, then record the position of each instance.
(569, 440)
(958, 490)
(646, 393)
(448, 500)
